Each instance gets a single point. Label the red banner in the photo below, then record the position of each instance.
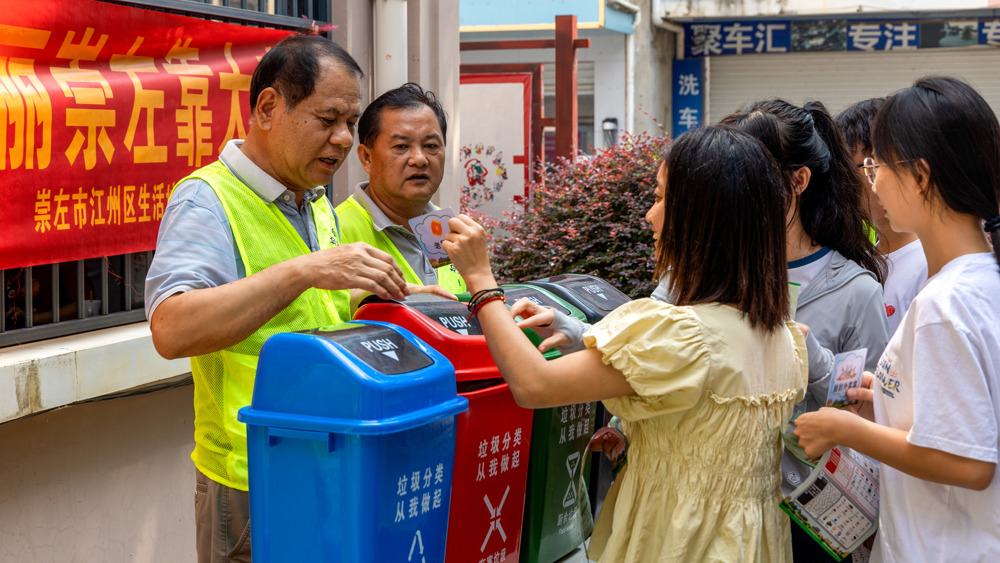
(103, 108)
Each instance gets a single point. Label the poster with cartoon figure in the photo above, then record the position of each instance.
(846, 374)
(430, 229)
(494, 143)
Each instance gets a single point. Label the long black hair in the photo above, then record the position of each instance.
(832, 210)
(942, 127)
(723, 235)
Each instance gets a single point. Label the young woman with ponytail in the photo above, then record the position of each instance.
(829, 253)
(935, 420)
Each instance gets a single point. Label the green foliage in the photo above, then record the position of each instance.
(587, 217)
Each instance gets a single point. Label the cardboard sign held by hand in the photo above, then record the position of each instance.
(430, 230)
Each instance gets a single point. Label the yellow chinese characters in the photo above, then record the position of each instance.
(24, 103)
(194, 119)
(90, 91)
(146, 100)
(82, 209)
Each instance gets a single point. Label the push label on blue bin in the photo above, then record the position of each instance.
(384, 350)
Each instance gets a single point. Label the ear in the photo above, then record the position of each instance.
(267, 103)
(365, 156)
(800, 180)
(923, 176)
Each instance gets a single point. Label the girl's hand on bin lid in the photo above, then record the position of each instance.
(539, 319)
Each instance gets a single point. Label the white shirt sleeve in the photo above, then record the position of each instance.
(952, 404)
(195, 248)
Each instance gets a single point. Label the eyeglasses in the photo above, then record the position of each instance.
(870, 168)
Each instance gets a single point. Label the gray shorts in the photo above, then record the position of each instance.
(222, 522)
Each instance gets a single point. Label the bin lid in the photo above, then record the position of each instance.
(360, 378)
(594, 296)
(543, 297)
(443, 324)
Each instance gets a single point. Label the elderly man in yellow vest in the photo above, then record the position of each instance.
(402, 147)
(249, 247)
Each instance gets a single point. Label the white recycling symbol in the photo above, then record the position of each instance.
(572, 462)
(418, 541)
(495, 519)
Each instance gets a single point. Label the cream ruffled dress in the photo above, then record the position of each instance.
(711, 398)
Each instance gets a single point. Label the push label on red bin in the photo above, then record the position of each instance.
(452, 315)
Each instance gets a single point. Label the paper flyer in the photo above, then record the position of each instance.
(837, 505)
(430, 229)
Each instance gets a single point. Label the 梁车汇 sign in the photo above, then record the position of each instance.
(745, 37)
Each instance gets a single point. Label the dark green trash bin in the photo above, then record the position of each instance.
(557, 515)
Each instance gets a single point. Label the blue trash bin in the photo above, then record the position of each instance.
(351, 445)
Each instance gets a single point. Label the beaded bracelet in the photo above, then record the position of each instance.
(480, 296)
(491, 297)
(480, 293)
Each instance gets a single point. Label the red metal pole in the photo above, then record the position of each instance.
(537, 114)
(566, 105)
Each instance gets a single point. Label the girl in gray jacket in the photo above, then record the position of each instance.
(830, 254)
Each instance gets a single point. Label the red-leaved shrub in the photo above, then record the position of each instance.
(585, 217)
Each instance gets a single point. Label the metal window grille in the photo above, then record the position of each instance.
(54, 300)
(281, 14)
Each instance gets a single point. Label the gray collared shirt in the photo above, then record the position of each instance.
(404, 241)
(196, 249)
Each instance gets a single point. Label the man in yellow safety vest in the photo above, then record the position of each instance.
(402, 147)
(249, 247)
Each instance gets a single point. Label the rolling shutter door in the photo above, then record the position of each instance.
(842, 78)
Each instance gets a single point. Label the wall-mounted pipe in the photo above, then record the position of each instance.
(656, 9)
(629, 62)
(390, 22)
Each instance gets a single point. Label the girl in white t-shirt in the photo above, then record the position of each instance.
(936, 391)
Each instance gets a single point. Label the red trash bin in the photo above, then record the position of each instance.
(493, 436)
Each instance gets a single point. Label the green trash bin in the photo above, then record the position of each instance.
(557, 515)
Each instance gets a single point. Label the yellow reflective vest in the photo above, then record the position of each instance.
(356, 226)
(223, 380)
